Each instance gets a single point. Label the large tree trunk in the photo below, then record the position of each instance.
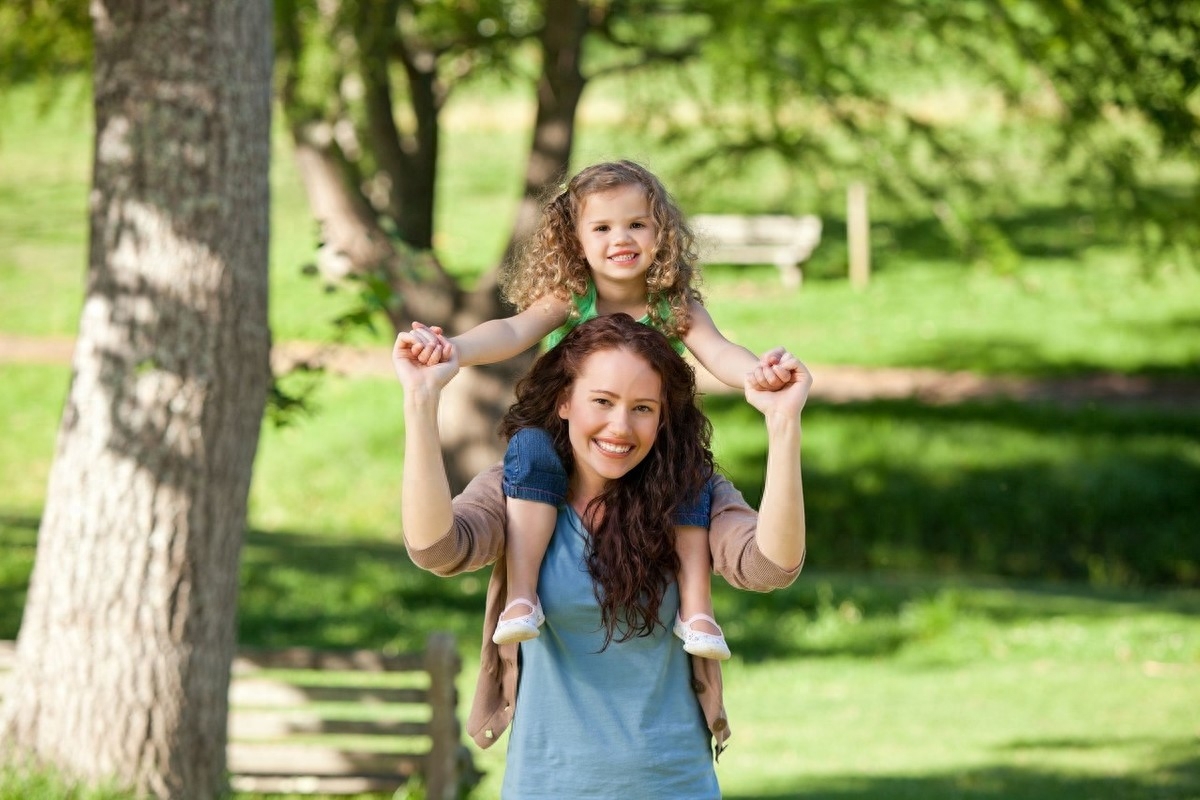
(129, 628)
(475, 401)
(559, 90)
(355, 243)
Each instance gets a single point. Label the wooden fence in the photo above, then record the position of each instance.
(307, 721)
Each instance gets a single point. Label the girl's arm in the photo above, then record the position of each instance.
(491, 341)
(731, 363)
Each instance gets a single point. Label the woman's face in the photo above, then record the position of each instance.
(612, 414)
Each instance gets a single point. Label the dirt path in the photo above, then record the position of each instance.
(832, 383)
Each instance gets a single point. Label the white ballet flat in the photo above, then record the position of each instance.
(522, 628)
(700, 643)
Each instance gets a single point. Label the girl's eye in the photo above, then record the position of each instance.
(638, 225)
(601, 229)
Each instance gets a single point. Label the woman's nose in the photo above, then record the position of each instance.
(619, 422)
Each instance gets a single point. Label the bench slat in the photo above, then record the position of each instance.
(251, 758)
(251, 659)
(261, 692)
(313, 784)
(250, 725)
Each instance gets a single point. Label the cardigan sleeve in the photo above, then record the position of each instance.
(732, 531)
(476, 536)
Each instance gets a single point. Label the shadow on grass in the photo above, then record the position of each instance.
(993, 488)
(18, 540)
(1063, 231)
(301, 589)
(990, 354)
(1173, 775)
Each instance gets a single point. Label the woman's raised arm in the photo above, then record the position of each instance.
(425, 505)
(781, 531)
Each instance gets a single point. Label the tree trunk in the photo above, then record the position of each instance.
(354, 242)
(128, 633)
(559, 90)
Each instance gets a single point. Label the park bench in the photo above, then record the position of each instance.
(784, 241)
(306, 721)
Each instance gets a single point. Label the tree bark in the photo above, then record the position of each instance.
(559, 90)
(355, 243)
(128, 633)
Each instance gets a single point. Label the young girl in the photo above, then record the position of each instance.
(612, 241)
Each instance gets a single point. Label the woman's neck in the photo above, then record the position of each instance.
(581, 493)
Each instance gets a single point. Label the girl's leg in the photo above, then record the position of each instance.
(534, 484)
(696, 626)
(530, 525)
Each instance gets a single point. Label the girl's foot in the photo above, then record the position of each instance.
(698, 642)
(522, 628)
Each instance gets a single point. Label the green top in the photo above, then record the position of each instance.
(585, 304)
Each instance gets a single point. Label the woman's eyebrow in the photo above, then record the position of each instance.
(608, 393)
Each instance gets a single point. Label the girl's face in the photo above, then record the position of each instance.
(617, 232)
(612, 413)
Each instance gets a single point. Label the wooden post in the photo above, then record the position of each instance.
(441, 768)
(858, 235)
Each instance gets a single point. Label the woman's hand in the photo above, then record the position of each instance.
(786, 401)
(424, 343)
(775, 369)
(417, 377)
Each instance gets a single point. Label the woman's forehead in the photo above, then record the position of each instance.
(618, 367)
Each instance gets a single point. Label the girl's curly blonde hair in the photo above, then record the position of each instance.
(553, 262)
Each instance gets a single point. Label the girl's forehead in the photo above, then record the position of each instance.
(628, 193)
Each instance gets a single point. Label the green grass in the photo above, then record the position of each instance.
(855, 685)
(901, 665)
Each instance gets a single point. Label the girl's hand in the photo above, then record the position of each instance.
(776, 370)
(423, 344)
(789, 399)
(416, 376)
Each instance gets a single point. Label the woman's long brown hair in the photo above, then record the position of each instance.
(631, 556)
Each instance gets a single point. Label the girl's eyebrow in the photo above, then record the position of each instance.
(605, 220)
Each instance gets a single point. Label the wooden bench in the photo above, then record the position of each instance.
(306, 721)
(784, 241)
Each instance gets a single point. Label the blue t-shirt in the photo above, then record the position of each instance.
(622, 723)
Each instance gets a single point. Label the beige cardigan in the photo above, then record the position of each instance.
(476, 539)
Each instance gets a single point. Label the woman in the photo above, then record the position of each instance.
(610, 706)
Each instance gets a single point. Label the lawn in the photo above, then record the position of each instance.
(1000, 599)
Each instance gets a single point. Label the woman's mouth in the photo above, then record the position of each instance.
(615, 449)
